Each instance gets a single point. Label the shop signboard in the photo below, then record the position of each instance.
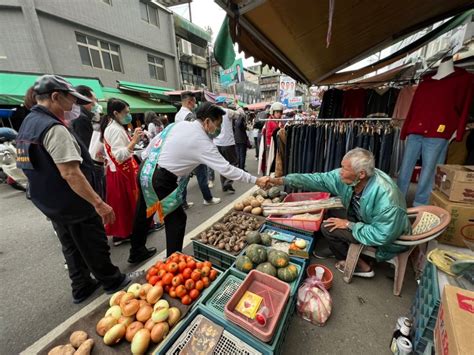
(233, 75)
(295, 101)
(287, 89)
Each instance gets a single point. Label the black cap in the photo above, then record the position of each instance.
(49, 83)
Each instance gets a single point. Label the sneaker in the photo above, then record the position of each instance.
(323, 254)
(126, 280)
(367, 274)
(87, 292)
(188, 205)
(210, 184)
(119, 241)
(212, 201)
(65, 266)
(147, 253)
(229, 189)
(157, 227)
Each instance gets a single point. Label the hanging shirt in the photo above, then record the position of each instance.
(226, 137)
(402, 106)
(331, 107)
(117, 138)
(353, 103)
(187, 146)
(381, 102)
(184, 114)
(440, 107)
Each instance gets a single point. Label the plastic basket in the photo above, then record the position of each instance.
(300, 265)
(309, 239)
(304, 224)
(230, 342)
(215, 256)
(275, 294)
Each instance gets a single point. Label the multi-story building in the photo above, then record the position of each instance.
(113, 40)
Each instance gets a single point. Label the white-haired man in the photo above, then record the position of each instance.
(375, 209)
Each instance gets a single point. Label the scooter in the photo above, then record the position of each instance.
(9, 173)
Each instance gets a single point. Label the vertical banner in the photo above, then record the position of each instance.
(287, 89)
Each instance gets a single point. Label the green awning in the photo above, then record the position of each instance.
(16, 85)
(137, 104)
(153, 91)
(11, 100)
(181, 23)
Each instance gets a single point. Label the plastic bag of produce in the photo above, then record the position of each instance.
(314, 302)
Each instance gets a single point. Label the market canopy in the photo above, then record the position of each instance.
(258, 106)
(293, 35)
(137, 104)
(152, 91)
(13, 86)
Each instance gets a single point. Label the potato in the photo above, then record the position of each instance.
(77, 338)
(248, 209)
(256, 211)
(85, 348)
(255, 203)
(247, 201)
(239, 206)
(266, 201)
(68, 349)
(57, 350)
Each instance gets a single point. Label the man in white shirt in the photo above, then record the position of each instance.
(188, 103)
(225, 141)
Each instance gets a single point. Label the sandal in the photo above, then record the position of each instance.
(340, 265)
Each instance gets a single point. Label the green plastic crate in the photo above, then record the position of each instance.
(217, 257)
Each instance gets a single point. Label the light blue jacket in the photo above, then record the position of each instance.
(382, 208)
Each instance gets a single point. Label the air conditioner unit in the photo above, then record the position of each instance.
(186, 48)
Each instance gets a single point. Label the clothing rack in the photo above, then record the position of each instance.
(332, 119)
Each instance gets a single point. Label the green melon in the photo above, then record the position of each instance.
(279, 259)
(253, 238)
(267, 268)
(243, 263)
(288, 273)
(256, 253)
(266, 239)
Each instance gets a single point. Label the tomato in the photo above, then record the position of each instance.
(189, 284)
(199, 265)
(147, 277)
(205, 270)
(186, 300)
(196, 275)
(174, 258)
(182, 258)
(194, 294)
(191, 264)
(180, 291)
(187, 273)
(177, 280)
(172, 292)
(189, 258)
(161, 273)
(163, 267)
(160, 283)
(206, 281)
(199, 285)
(172, 267)
(153, 280)
(153, 271)
(213, 275)
(181, 266)
(167, 278)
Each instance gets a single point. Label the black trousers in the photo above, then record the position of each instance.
(339, 240)
(86, 251)
(164, 183)
(241, 154)
(230, 154)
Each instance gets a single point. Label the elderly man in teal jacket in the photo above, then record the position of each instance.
(376, 209)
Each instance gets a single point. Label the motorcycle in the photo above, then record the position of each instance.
(9, 173)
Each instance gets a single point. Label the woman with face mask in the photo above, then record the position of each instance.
(121, 176)
(174, 154)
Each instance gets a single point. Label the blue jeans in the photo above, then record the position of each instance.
(433, 152)
(201, 175)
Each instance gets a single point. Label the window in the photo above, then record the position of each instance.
(99, 54)
(157, 69)
(149, 13)
(108, 2)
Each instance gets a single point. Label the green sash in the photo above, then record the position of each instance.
(153, 203)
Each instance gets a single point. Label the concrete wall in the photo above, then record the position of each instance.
(59, 20)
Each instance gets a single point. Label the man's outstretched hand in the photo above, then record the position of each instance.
(263, 181)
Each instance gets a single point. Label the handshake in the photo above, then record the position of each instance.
(267, 181)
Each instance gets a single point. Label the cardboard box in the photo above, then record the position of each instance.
(454, 331)
(462, 220)
(456, 182)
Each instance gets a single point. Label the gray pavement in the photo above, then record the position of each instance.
(35, 294)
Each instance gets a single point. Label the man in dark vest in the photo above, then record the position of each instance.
(60, 172)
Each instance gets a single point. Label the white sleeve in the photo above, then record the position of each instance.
(210, 156)
(152, 129)
(118, 141)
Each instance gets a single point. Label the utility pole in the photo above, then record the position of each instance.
(189, 9)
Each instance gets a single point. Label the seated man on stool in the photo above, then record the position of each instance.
(376, 209)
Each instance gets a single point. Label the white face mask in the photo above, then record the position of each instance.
(97, 111)
(73, 114)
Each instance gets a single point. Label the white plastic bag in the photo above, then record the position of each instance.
(314, 302)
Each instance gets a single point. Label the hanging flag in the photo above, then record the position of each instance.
(224, 47)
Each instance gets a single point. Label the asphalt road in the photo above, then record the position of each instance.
(35, 295)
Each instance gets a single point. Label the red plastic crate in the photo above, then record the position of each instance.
(275, 295)
(304, 224)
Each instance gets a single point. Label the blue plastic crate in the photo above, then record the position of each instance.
(300, 265)
(232, 341)
(309, 240)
